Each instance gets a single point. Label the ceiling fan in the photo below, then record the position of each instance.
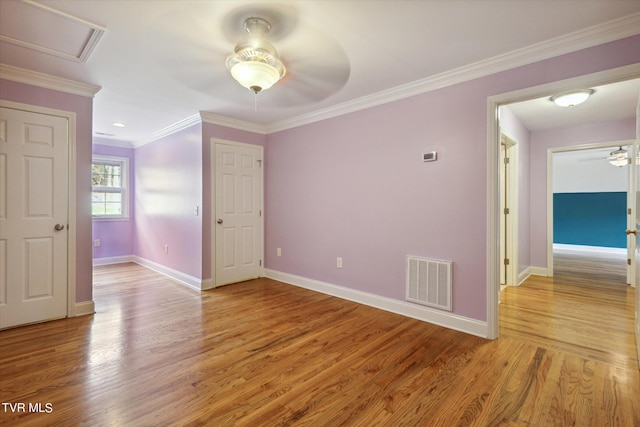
(618, 157)
(307, 66)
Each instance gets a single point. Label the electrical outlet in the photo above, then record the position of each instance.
(166, 249)
(96, 243)
(339, 262)
(278, 252)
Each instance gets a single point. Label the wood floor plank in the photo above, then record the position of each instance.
(263, 353)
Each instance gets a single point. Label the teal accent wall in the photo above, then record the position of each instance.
(590, 219)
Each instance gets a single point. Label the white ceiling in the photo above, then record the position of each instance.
(614, 101)
(160, 62)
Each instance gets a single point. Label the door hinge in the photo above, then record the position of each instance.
(506, 160)
(628, 261)
(260, 263)
(260, 212)
(506, 211)
(259, 163)
(506, 261)
(628, 211)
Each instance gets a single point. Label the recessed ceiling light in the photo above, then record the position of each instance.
(571, 99)
(118, 124)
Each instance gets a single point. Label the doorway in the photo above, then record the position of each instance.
(543, 92)
(588, 198)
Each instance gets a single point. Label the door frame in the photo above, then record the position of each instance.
(71, 188)
(213, 142)
(493, 153)
(509, 243)
(550, 153)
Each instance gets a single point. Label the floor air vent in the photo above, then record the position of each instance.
(429, 282)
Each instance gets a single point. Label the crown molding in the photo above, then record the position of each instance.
(217, 119)
(169, 130)
(47, 81)
(177, 126)
(593, 36)
(113, 143)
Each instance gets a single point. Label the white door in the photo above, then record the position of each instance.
(238, 213)
(33, 217)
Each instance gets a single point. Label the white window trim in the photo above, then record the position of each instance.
(98, 158)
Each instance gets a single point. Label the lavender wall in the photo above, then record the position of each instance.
(168, 188)
(541, 142)
(83, 108)
(116, 236)
(514, 128)
(355, 186)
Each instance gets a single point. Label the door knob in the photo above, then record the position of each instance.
(634, 232)
(219, 221)
(58, 227)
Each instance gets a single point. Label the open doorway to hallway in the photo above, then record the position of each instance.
(537, 130)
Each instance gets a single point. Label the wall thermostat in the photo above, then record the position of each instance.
(430, 156)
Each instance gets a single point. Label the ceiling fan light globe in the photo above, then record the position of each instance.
(619, 161)
(256, 76)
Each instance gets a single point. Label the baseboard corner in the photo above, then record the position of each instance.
(84, 308)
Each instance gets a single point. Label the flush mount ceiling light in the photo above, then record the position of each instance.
(254, 63)
(118, 124)
(571, 99)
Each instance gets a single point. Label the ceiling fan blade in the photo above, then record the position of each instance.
(317, 67)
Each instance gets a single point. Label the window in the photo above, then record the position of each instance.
(109, 187)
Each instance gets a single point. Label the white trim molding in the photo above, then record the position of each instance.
(593, 36)
(192, 282)
(540, 271)
(524, 275)
(47, 81)
(560, 247)
(426, 314)
(113, 260)
(219, 120)
(185, 279)
(84, 308)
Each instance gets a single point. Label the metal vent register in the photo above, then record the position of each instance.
(429, 282)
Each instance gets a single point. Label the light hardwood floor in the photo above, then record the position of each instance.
(263, 353)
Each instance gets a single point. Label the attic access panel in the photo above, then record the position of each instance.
(43, 29)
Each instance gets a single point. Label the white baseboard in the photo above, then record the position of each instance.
(84, 308)
(185, 279)
(112, 260)
(591, 249)
(207, 284)
(539, 271)
(426, 314)
(524, 275)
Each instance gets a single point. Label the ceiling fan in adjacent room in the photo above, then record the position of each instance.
(618, 157)
(306, 67)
